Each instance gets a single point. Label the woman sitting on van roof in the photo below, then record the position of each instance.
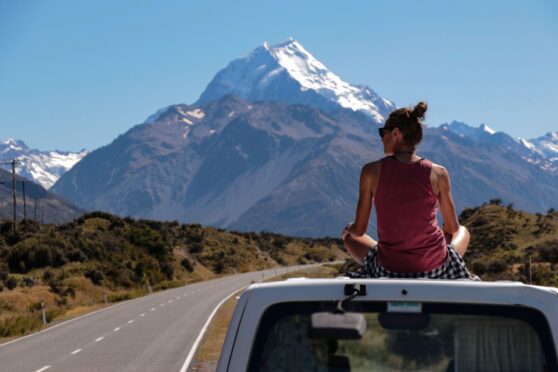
(407, 191)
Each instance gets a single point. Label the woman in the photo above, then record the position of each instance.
(407, 191)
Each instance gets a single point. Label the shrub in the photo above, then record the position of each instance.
(3, 274)
(195, 248)
(48, 275)
(479, 267)
(549, 251)
(95, 276)
(11, 283)
(497, 266)
(187, 264)
(168, 269)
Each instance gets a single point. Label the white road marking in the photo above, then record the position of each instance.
(202, 332)
(130, 321)
(61, 324)
(170, 301)
(43, 369)
(178, 297)
(116, 329)
(99, 339)
(142, 314)
(153, 309)
(162, 305)
(75, 352)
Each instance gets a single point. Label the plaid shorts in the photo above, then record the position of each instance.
(453, 268)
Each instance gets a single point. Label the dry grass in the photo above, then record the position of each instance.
(208, 353)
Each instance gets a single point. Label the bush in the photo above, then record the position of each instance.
(497, 266)
(95, 276)
(48, 276)
(187, 264)
(11, 283)
(549, 251)
(168, 269)
(3, 274)
(195, 248)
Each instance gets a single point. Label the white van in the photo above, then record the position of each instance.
(392, 325)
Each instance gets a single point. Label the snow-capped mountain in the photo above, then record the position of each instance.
(42, 167)
(541, 151)
(288, 73)
(276, 143)
(463, 129)
(546, 146)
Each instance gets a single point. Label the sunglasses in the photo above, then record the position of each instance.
(382, 131)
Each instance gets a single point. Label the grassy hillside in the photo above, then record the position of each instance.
(75, 266)
(503, 240)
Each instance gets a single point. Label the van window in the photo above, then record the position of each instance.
(454, 338)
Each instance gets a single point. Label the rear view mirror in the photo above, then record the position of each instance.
(341, 326)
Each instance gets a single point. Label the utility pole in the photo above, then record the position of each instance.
(14, 193)
(13, 163)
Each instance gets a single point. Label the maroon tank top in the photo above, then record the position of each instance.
(409, 239)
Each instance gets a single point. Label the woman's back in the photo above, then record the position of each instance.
(409, 237)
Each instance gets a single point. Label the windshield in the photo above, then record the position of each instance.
(445, 338)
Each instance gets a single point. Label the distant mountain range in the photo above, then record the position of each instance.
(276, 142)
(42, 167)
(542, 151)
(39, 204)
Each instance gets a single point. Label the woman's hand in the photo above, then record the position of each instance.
(346, 231)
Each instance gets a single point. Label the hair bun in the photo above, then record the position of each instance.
(419, 110)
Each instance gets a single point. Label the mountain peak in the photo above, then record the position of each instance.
(287, 72)
(15, 144)
(487, 129)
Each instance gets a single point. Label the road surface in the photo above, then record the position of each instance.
(151, 333)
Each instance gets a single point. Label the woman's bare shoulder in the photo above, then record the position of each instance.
(439, 171)
(373, 167)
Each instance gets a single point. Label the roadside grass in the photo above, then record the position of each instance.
(207, 355)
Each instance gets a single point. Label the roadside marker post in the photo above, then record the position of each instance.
(43, 312)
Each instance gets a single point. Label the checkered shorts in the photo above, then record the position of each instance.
(453, 268)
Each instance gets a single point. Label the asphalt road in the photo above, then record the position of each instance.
(151, 333)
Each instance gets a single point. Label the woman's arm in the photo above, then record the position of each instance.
(447, 206)
(367, 185)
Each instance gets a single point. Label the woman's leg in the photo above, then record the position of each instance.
(460, 240)
(358, 247)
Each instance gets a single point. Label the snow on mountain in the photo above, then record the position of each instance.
(542, 151)
(43, 167)
(463, 129)
(288, 73)
(546, 145)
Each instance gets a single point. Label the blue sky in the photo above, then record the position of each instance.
(75, 74)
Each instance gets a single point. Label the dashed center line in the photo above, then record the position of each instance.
(153, 309)
(162, 305)
(170, 301)
(43, 369)
(116, 329)
(130, 321)
(178, 297)
(99, 339)
(142, 314)
(75, 352)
